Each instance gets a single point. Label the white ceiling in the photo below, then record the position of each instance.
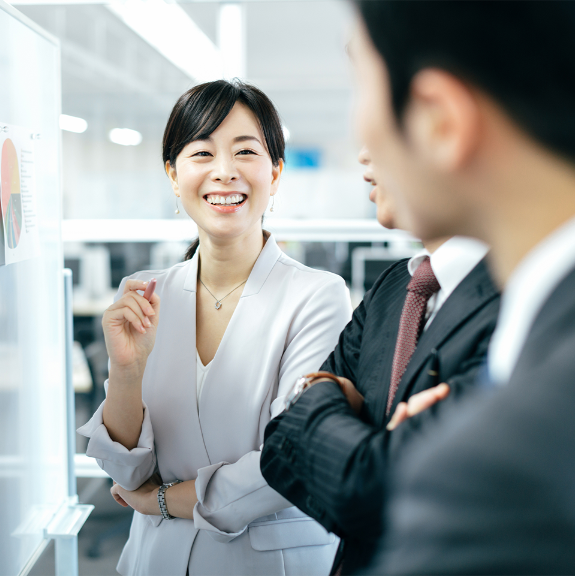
(295, 53)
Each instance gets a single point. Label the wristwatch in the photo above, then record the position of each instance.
(303, 383)
(162, 499)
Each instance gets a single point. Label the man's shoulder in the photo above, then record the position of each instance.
(394, 278)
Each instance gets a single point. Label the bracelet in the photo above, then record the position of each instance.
(162, 499)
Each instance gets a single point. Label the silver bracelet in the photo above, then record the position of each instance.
(162, 499)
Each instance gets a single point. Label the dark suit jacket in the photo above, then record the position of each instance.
(492, 491)
(330, 463)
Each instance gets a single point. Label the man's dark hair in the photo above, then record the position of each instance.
(521, 53)
(199, 111)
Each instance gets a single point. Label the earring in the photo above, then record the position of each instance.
(177, 208)
(273, 200)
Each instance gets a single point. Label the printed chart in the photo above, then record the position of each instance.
(11, 197)
(19, 237)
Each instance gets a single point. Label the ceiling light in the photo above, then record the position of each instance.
(286, 132)
(168, 28)
(232, 40)
(125, 136)
(73, 124)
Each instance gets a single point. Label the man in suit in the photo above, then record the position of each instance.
(468, 110)
(426, 321)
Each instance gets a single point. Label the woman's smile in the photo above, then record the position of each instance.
(226, 202)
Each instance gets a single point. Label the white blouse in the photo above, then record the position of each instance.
(202, 372)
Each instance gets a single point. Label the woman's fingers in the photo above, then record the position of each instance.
(127, 314)
(131, 285)
(137, 304)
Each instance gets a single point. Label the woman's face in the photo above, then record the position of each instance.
(225, 182)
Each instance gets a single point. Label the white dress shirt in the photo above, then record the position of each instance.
(530, 285)
(450, 263)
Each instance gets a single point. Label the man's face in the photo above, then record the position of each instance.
(403, 166)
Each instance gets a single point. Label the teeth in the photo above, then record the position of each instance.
(223, 200)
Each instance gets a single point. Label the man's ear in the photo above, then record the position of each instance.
(442, 119)
(173, 176)
(276, 175)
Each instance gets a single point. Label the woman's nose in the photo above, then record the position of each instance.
(225, 172)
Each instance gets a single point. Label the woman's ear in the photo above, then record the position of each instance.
(276, 175)
(173, 176)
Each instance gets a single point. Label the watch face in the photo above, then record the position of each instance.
(295, 392)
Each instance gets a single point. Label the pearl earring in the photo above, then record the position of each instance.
(273, 200)
(177, 208)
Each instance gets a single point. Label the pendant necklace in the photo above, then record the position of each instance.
(218, 304)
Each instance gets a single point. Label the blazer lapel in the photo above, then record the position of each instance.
(471, 294)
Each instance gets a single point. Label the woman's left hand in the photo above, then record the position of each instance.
(144, 500)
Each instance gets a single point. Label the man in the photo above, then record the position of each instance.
(426, 321)
(468, 110)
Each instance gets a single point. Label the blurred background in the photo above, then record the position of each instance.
(124, 64)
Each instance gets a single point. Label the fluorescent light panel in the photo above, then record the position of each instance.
(232, 40)
(169, 29)
(73, 124)
(125, 137)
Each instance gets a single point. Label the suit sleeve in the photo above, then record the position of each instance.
(129, 468)
(314, 453)
(231, 495)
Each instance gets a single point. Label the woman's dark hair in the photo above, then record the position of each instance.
(521, 53)
(199, 111)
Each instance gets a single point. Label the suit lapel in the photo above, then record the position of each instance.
(554, 317)
(475, 290)
(380, 335)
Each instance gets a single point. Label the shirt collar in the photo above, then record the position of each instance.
(452, 261)
(528, 288)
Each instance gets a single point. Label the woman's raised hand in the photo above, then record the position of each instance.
(130, 327)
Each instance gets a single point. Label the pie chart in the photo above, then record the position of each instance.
(11, 197)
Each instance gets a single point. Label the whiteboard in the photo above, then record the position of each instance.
(33, 474)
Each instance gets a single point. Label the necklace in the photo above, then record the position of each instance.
(218, 304)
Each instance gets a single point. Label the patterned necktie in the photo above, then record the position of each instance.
(421, 288)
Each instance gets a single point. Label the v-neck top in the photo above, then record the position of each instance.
(201, 373)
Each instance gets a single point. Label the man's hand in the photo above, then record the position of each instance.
(418, 403)
(354, 398)
(144, 500)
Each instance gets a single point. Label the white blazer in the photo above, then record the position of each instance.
(286, 323)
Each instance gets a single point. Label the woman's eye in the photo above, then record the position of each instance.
(243, 152)
(202, 153)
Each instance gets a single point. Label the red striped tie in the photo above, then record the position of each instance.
(419, 290)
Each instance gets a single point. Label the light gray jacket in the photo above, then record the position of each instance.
(286, 323)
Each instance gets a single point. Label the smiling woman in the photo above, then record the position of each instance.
(222, 126)
(189, 396)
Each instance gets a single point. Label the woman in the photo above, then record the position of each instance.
(193, 385)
